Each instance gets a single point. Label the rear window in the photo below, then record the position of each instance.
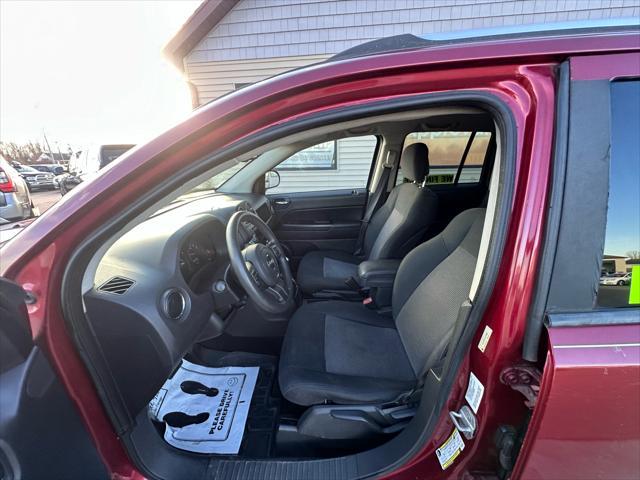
(620, 270)
(454, 157)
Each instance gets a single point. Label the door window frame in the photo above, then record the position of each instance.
(568, 278)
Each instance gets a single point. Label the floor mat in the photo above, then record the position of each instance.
(205, 409)
(264, 413)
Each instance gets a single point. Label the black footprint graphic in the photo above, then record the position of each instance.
(179, 419)
(196, 388)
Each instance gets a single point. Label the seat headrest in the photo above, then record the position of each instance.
(414, 162)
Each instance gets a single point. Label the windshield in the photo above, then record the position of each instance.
(111, 152)
(24, 169)
(218, 179)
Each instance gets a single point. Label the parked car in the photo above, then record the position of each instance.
(445, 327)
(15, 200)
(36, 180)
(87, 163)
(616, 279)
(53, 168)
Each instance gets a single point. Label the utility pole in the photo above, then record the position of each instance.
(47, 142)
(59, 153)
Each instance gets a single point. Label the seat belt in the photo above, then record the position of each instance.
(375, 201)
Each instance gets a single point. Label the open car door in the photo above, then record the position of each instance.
(41, 435)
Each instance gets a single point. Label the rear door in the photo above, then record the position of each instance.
(321, 196)
(41, 434)
(586, 423)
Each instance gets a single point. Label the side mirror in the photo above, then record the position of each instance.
(271, 179)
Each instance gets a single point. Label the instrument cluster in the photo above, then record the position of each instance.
(197, 252)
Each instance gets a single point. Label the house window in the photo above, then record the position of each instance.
(322, 156)
(334, 165)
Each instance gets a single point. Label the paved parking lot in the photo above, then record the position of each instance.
(613, 295)
(45, 199)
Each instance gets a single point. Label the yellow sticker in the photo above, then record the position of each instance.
(450, 449)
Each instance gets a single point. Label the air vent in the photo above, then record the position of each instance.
(117, 285)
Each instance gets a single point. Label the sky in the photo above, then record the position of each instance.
(89, 71)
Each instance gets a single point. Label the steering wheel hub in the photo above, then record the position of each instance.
(264, 260)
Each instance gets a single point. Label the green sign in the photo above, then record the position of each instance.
(634, 291)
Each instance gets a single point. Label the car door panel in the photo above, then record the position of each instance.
(41, 435)
(325, 220)
(588, 402)
(586, 421)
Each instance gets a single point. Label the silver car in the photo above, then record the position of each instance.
(616, 279)
(15, 199)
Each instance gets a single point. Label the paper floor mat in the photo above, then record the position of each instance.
(204, 408)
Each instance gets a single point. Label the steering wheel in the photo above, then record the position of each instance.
(262, 269)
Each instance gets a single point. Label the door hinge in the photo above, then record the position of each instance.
(524, 379)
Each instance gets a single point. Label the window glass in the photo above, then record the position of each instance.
(111, 152)
(217, 180)
(446, 150)
(620, 271)
(472, 167)
(322, 156)
(334, 165)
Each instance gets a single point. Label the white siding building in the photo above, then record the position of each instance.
(227, 44)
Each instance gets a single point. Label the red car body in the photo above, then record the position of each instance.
(570, 435)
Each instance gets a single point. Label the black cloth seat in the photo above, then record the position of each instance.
(326, 270)
(343, 353)
(395, 228)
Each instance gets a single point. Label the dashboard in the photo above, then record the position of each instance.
(155, 289)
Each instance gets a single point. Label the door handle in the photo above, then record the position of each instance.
(282, 202)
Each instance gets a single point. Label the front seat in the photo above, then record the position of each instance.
(341, 352)
(395, 228)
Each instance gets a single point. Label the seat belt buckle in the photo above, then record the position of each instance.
(353, 284)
